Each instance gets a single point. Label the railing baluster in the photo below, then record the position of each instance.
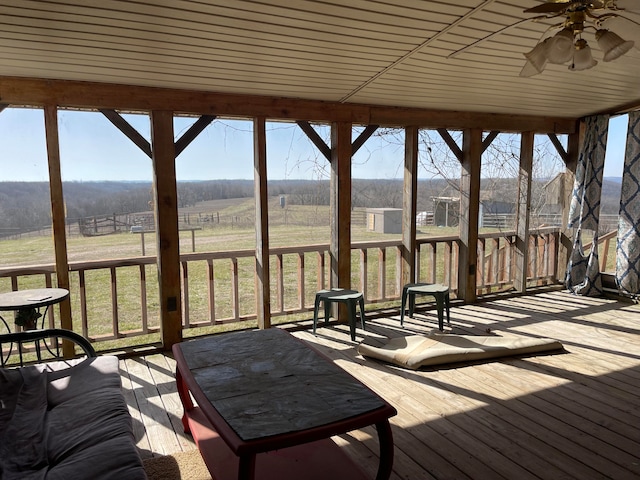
(433, 272)
(533, 255)
(235, 300)
(481, 266)
(144, 311)
(83, 304)
(321, 267)
(382, 277)
(604, 255)
(364, 272)
(545, 267)
(301, 280)
(211, 291)
(185, 293)
(510, 252)
(495, 262)
(554, 258)
(503, 256)
(280, 283)
(446, 274)
(398, 272)
(454, 267)
(114, 301)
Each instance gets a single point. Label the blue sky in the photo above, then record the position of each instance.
(92, 149)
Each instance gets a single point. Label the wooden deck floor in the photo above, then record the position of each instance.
(572, 415)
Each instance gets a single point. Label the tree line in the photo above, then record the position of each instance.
(26, 206)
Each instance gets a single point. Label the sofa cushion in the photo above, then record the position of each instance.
(23, 409)
(415, 351)
(115, 459)
(73, 379)
(66, 420)
(84, 421)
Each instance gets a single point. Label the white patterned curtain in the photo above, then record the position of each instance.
(583, 272)
(628, 245)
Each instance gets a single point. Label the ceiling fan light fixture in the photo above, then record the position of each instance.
(612, 45)
(529, 70)
(582, 57)
(537, 58)
(559, 48)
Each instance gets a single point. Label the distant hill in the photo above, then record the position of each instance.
(26, 206)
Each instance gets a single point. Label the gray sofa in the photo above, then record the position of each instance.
(66, 420)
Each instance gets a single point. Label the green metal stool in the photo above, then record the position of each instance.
(340, 295)
(438, 291)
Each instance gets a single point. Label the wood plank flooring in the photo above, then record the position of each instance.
(571, 415)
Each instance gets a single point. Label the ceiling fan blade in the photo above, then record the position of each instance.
(548, 8)
(630, 5)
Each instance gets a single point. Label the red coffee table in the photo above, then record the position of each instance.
(267, 405)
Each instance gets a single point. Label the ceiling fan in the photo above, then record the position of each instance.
(568, 46)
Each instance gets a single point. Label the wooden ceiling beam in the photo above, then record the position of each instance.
(20, 91)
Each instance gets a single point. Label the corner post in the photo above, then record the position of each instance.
(521, 260)
(409, 207)
(469, 212)
(340, 205)
(263, 296)
(166, 218)
(58, 218)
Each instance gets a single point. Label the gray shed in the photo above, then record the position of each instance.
(384, 220)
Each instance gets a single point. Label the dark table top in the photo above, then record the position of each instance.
(268, 383)
(32, 298)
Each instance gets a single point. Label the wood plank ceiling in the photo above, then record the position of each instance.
(360, 51)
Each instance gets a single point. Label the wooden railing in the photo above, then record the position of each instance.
(604, 247)
(496, 259)
(116, 299)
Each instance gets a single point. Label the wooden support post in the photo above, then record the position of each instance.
(340, 205)
(469, 211)
(166, 219)
(58, 218)
(409, 207)
(521, 254)
(263, 296)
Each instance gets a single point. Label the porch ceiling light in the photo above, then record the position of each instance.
(568, 46)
